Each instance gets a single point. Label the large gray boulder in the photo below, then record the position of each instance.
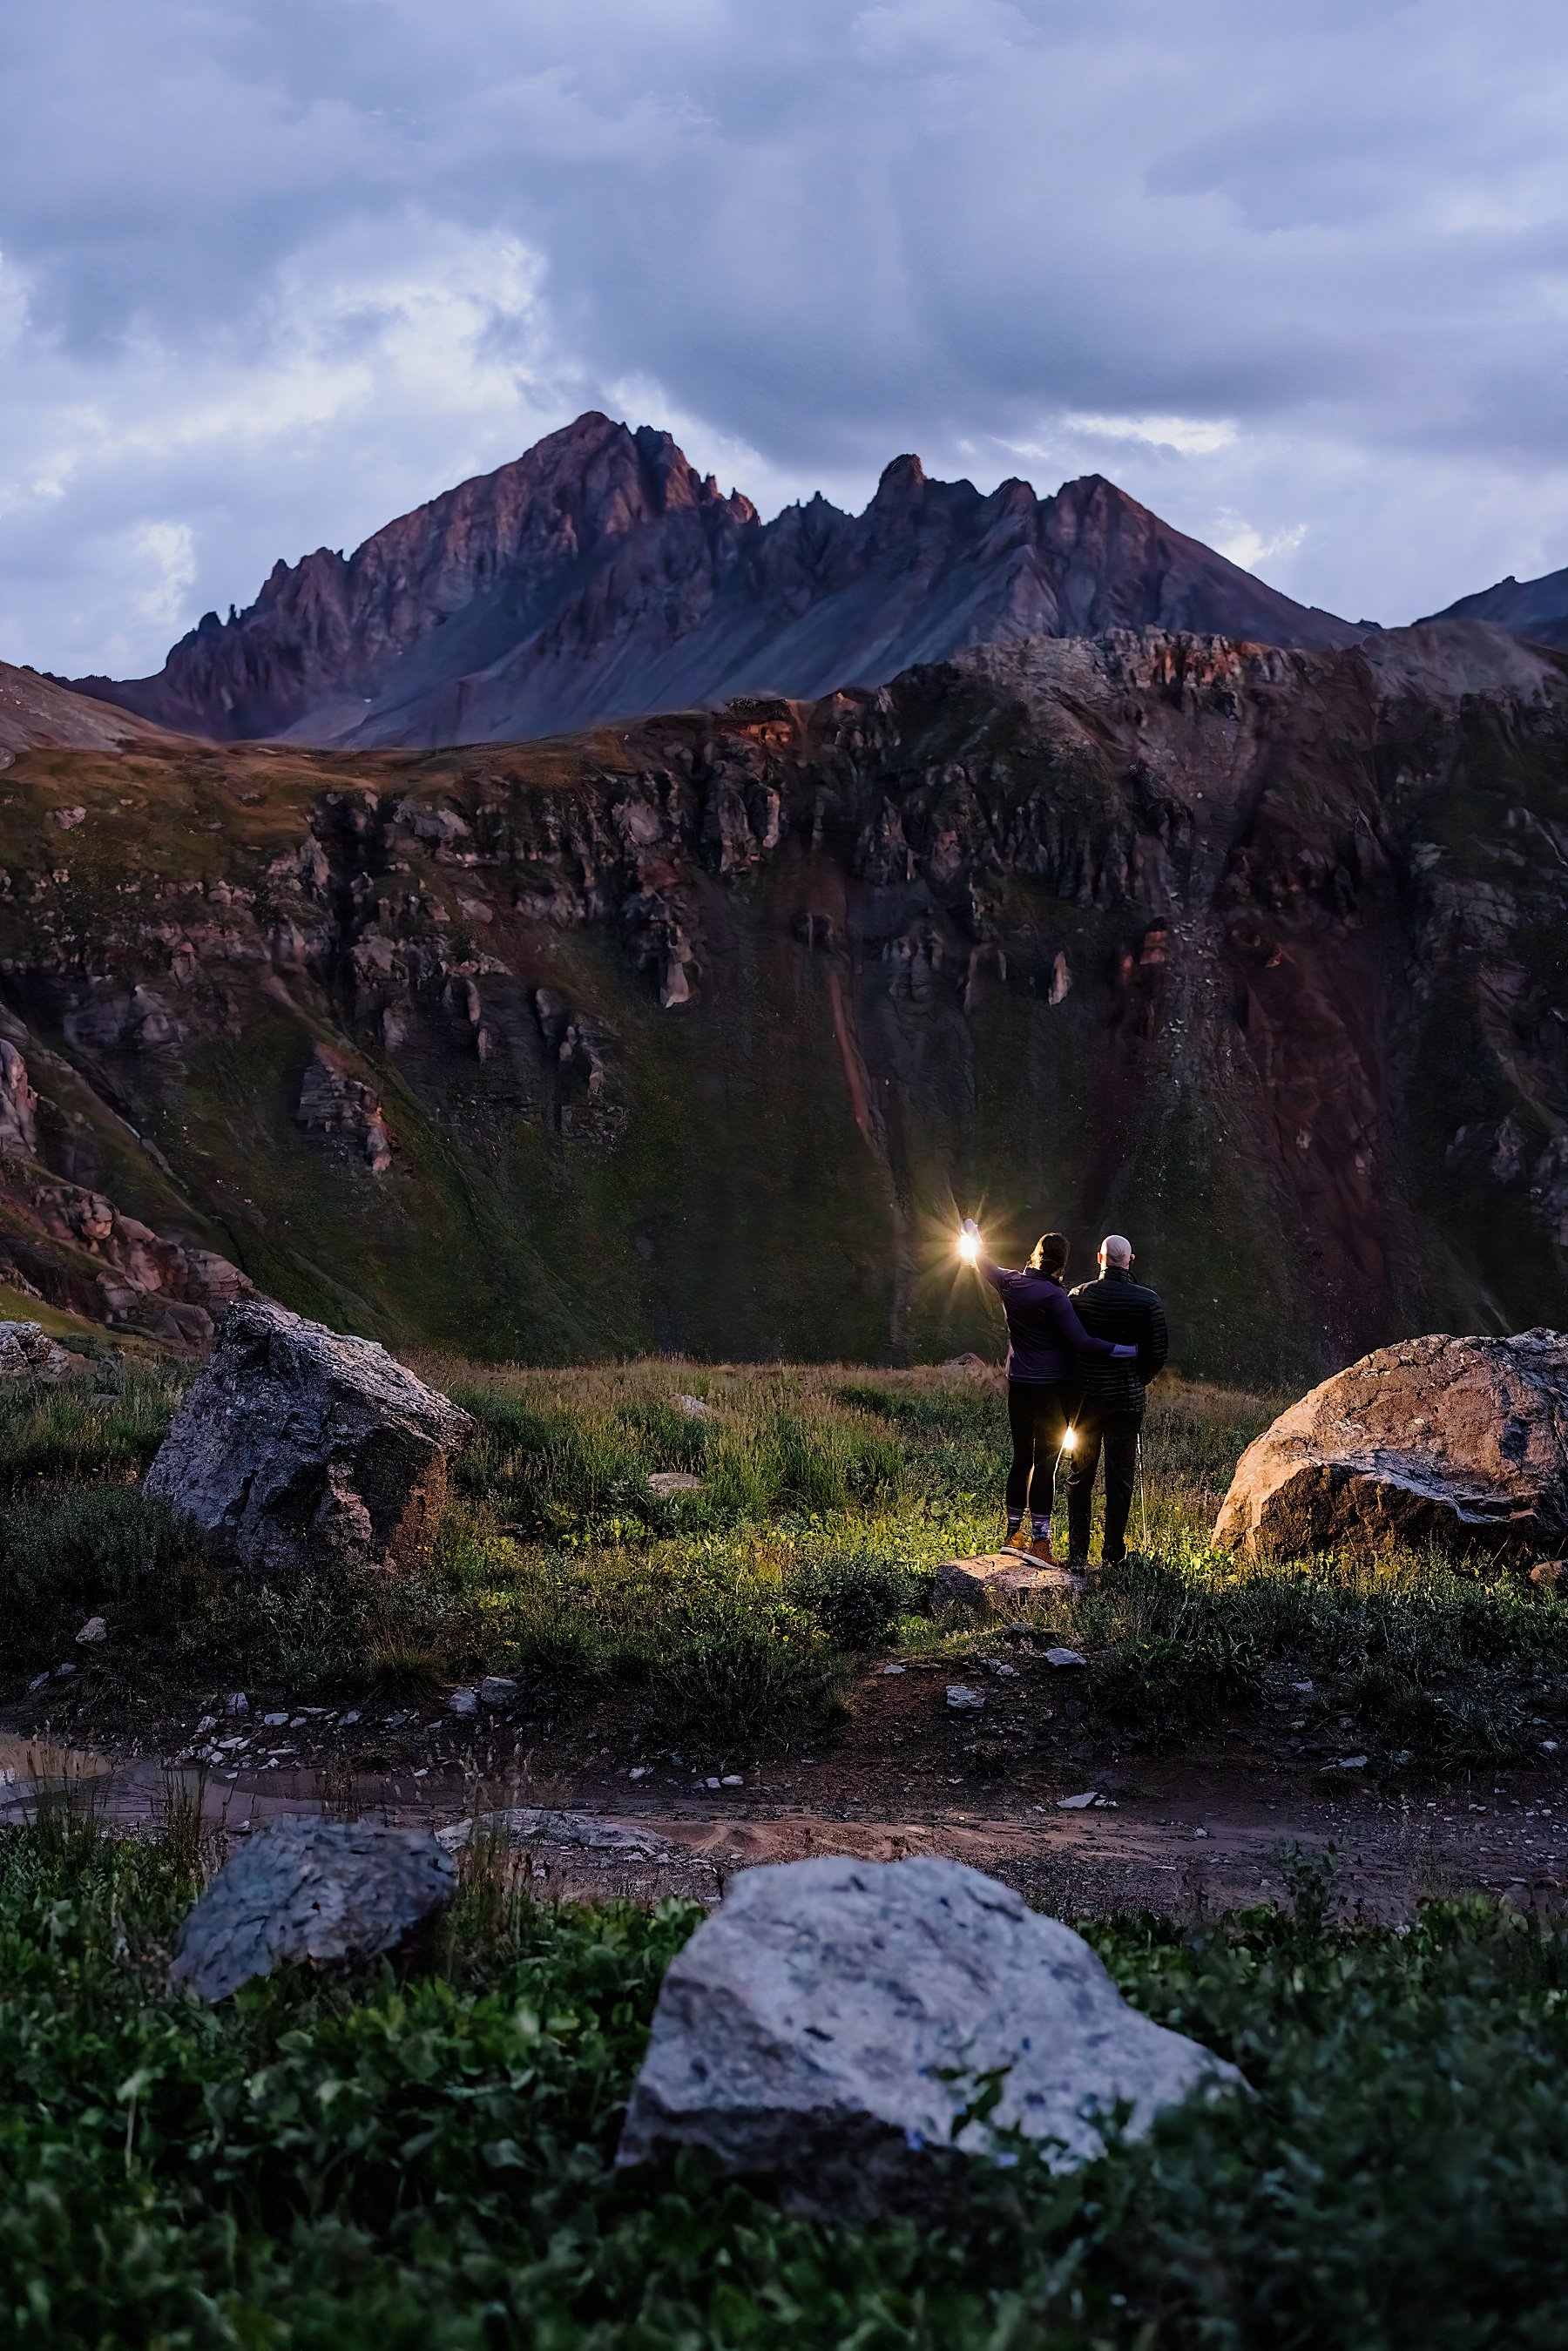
(310, 1889)
(298, 1450)
(827, 2026)
(1462, 1442)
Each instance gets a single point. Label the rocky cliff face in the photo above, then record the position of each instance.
(699, 1034)
(601, 577)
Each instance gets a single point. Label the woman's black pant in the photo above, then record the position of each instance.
(1038, 1416)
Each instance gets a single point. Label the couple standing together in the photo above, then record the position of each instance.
(1077, 1364)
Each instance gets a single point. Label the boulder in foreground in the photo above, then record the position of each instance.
(803, 2035)
(1458, 1441)
(296, 1449)
(310, 1889)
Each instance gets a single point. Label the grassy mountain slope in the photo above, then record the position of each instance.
(697, 1035)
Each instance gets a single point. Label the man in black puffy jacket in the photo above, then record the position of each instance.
(1112, 1397)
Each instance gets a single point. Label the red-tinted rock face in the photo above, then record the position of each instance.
(601, 577)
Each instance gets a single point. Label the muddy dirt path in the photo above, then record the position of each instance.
(1186, 1837)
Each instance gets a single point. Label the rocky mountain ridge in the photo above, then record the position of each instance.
(1533, 609)
(697, 1035)
(37, 713)
(600, 578)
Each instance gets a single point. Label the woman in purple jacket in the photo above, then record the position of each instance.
(1044, 1340)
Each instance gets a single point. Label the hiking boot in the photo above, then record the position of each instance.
(1020, 1541)
(1040, 1552)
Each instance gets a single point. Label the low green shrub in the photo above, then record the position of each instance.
(741, 1675)
(859, 1598)
(353, 2162)
(93, 1550)
(1163, 1687)
(1441, 1670)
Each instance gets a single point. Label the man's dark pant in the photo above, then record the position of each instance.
(1115, 1433)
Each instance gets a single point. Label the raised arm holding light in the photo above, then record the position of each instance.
(1045, 1342)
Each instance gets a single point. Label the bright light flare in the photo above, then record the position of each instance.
(1069, 1442)
(969, 1247)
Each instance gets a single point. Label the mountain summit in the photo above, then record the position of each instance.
(601, 577)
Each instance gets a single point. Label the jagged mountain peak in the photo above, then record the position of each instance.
(600, 576)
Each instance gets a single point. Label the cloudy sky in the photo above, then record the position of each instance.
(272, 271)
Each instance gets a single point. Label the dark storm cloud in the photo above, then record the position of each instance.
(274, 269)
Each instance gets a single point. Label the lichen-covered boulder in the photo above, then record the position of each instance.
(298, 1450)
(27, 1353)
(827, 2027)
(310, 1889)
(1460, 1441)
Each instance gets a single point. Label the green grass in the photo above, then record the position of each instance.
(79, 1431)
(364, 2161)
(731, 1616)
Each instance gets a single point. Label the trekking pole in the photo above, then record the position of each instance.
(1143, 1493)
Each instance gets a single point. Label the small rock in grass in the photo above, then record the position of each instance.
(1350, 1763)
(463, 1702)
(498, 1689)
(38, 1680)
(963, 1700)
(236, 1702)
(310, 1889)
(1550, 1577)
(827, 2027)
(275, 1721)
(1302, 1690)
(993, 1583)
(895, 1670)
(1075, 1803)
(710, 1783)
(732, 1779)
(639, 1770)
(26, 1354)
(664, 1484)
(350, 1718)
(1064, 1657)
(68, 1668)
(1549, 1747)
(694, 1408)
(95, 1629)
